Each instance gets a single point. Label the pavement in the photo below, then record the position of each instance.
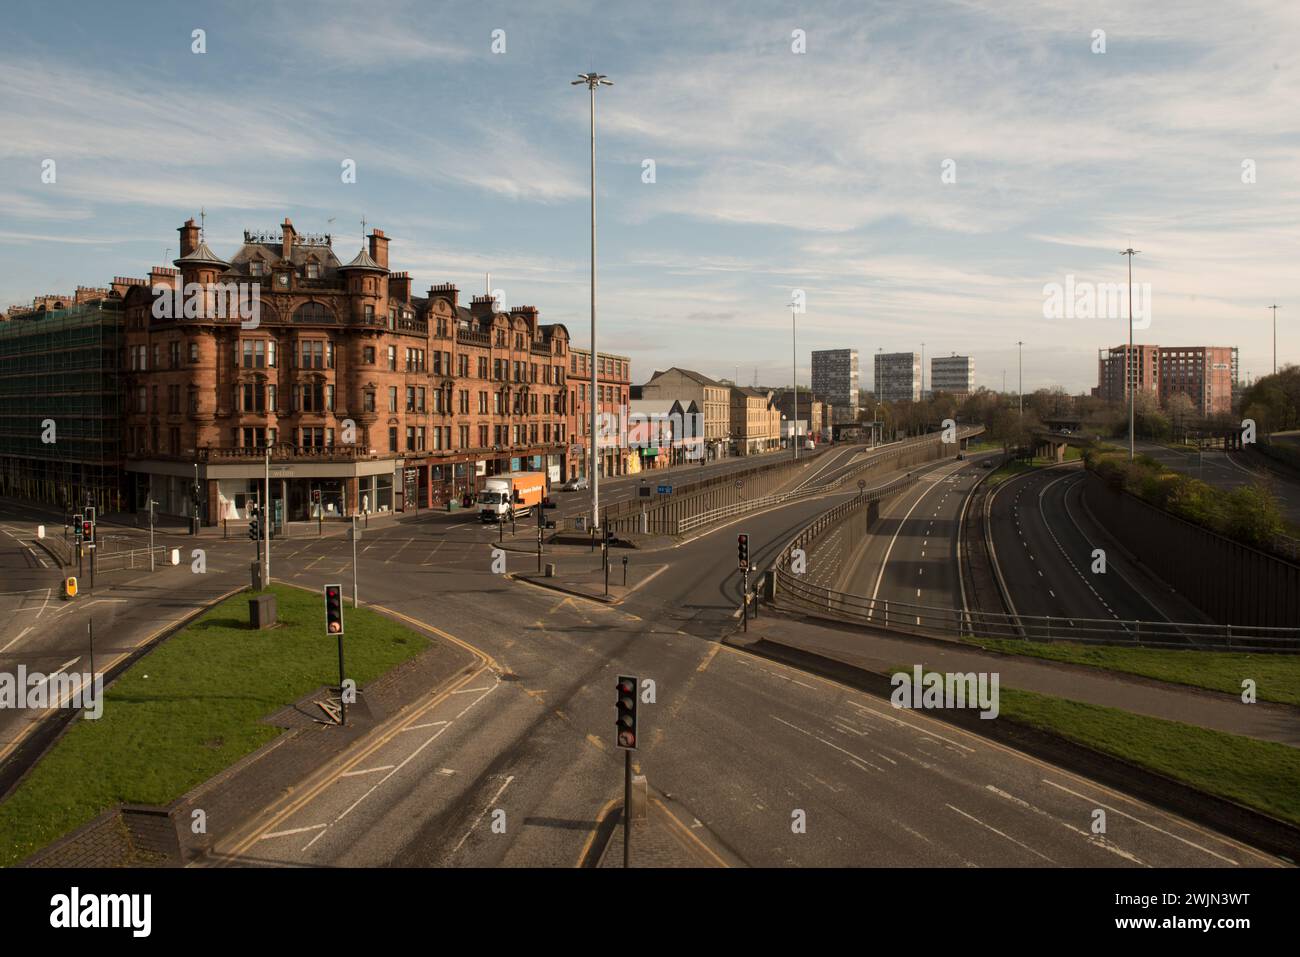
(662, 840)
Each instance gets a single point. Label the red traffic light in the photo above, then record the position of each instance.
(626, 739)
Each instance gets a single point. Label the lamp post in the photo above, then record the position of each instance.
(1020, 372)
(1274, 308)
(1130, 379)
(794, 380)
(592, 81)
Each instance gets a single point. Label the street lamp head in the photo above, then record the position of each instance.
(1129, 252)
(592, 80)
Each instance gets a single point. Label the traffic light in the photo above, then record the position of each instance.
(626, 722)
(254, 525)
(334, 609)
(88, 531)
(742, 549)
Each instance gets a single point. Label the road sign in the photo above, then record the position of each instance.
(862, 483)
(626, 708)
(740, 483)
(644, 490)
(665, 490)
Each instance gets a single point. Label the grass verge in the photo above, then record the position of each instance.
(1276, 677)
(191, 708)
(1260, 774)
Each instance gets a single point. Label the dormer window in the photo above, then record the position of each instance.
(313, 271)
(257, 268)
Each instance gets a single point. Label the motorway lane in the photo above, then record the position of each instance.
(911, 556)
(736, 743)
(1046, 557)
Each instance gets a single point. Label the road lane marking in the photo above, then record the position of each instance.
(18, 639)
(1090, 838)
(353, 774)
(487, 807)
(1001, 834)
(1161, 830)
(290, 833)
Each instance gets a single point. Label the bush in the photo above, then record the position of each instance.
(1248, 514)
(1251, 515)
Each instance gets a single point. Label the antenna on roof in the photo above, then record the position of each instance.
(363, 230)
(203, 225)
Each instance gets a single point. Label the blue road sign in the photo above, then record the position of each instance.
(665, 490)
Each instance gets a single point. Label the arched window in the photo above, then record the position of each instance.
(313, 312)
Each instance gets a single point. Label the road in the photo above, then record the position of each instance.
(737, 745)
(911, 556)
(1044, 542)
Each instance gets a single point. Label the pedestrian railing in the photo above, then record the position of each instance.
(792, 592)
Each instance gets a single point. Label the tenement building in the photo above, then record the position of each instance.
(352, 393)
(613, 382)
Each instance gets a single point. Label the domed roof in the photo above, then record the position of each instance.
(201, 256)
(363, 261)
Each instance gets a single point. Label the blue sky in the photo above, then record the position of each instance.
(775, 171)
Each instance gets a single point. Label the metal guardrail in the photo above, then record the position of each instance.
(740, 508)
(133, 558)
(912, 618)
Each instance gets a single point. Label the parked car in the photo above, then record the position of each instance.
(578, 484)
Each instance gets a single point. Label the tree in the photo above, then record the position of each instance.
(1180, 409)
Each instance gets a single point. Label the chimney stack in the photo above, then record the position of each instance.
(379, 247)
(446, 291)
(399, 286)
(189, 237)
(164, 276)
(287, 236)
(482, 307)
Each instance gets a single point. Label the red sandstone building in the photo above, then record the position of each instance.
(367, 397)
(613, 382)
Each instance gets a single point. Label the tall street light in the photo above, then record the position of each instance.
(1020, 372)
(794, 380)
(593, 80)
(1274, 308)
(1128, 364)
